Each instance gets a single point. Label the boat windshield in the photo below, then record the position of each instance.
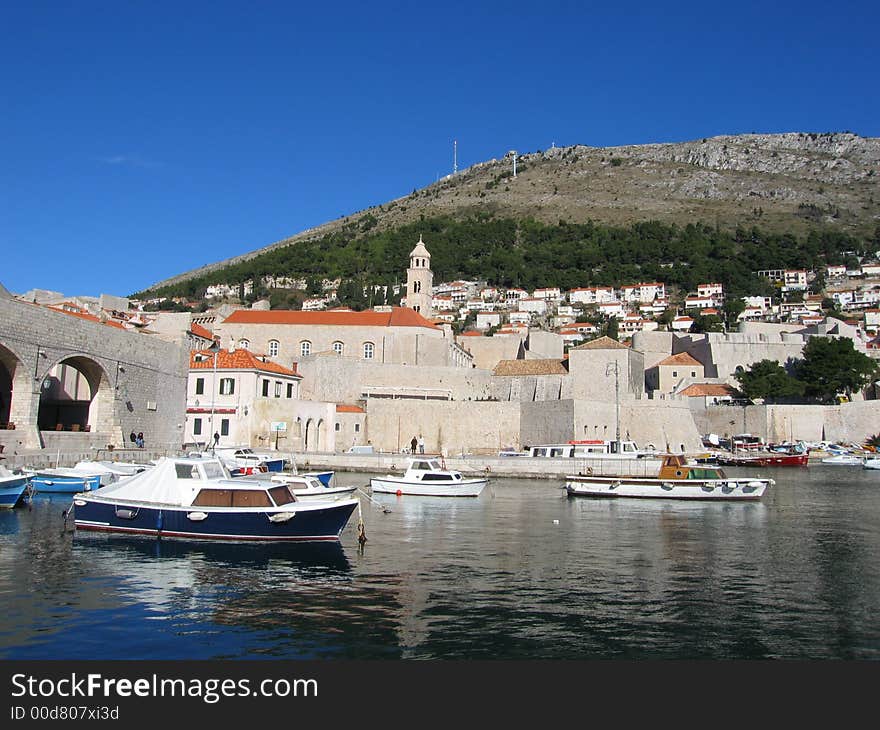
(213, 470)
(702, 473)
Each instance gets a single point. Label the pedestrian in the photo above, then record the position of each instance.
(133, 438)
(216, 438)
(421, 444)
(140, 439)
(412, 445)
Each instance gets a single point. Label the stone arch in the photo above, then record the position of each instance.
(77, 394)
(309, 434)
(319, 435)
(15, 388)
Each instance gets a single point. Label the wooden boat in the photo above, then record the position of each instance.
(307, 486)
(195, 498)
(429, 477)
(676, 479)
(768, 459)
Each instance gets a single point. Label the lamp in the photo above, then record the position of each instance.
(214, 349)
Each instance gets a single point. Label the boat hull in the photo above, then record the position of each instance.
(687, 489)
(318, 522)
(54, 484)
(765, 460)
(11, 491)
(463, 488)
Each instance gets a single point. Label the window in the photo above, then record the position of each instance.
(674, 373)
(693, 373)
(338, 425)
(357, 428)
(338, 348)
(277, 388)
(305, 348)
(224, 427)
(227, 386)
(265, 388)
(197, 427)
(273, 348)
(200, 386)
(244, 344)
(369, 348)
(290, 390)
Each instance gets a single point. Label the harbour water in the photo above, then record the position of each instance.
(522, 572)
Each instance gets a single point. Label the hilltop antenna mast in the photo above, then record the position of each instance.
(454, 156)
(513, 152)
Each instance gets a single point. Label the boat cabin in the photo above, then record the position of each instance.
(430, 470)
(676, 467)
(245, 497)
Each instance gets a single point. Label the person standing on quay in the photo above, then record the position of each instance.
(140, 439)
(412, 445)
(421, 444)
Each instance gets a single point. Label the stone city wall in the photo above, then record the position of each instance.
(139, 382)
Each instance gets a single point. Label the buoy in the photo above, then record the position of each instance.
(555, 522)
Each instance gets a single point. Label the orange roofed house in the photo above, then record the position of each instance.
(249, 400)
(668, 374)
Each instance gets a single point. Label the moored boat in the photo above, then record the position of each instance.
(12, 487)
(844, 460)
(872, 462)
(768, 459)
(429, 477)
(308, 486)
(244, 457)
(676, 479)
(195, 498)
(64, 480)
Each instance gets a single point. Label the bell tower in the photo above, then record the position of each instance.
(420, 281)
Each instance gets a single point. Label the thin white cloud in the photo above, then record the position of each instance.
(130, 161)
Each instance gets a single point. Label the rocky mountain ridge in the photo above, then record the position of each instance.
(787, 182)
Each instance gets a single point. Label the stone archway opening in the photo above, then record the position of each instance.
(319, 435)
(310, 434)
(72, 394)
(9, 363)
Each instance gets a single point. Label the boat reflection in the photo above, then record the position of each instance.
(329, 556)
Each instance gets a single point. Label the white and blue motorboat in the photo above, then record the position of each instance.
(12, 487)
(246, 458)
(62, 479)
(195, 498)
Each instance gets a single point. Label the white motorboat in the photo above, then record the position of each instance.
(871, 462)
(676, 479)
(306, 486)
(429, 477)
(844, 460)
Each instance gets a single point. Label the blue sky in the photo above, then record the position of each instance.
(142, 139)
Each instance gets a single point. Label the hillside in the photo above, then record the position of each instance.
(783, 183)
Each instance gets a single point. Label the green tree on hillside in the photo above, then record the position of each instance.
(831, 366)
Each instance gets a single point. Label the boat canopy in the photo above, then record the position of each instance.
(173, 481)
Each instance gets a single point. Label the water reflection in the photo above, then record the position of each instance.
(523, 571)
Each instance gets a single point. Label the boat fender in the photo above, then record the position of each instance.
(159, 524)
(589, 471)
(399, 493)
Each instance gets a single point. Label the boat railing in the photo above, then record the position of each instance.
(635, 467)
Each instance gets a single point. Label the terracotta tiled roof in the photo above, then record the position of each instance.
(397, 317)
(236, 360)
(530, 367)
(344, 408)
(682, 358)
(707, 389)
(601, 343)
(80, 314)
(471, 333)
(200, 331)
